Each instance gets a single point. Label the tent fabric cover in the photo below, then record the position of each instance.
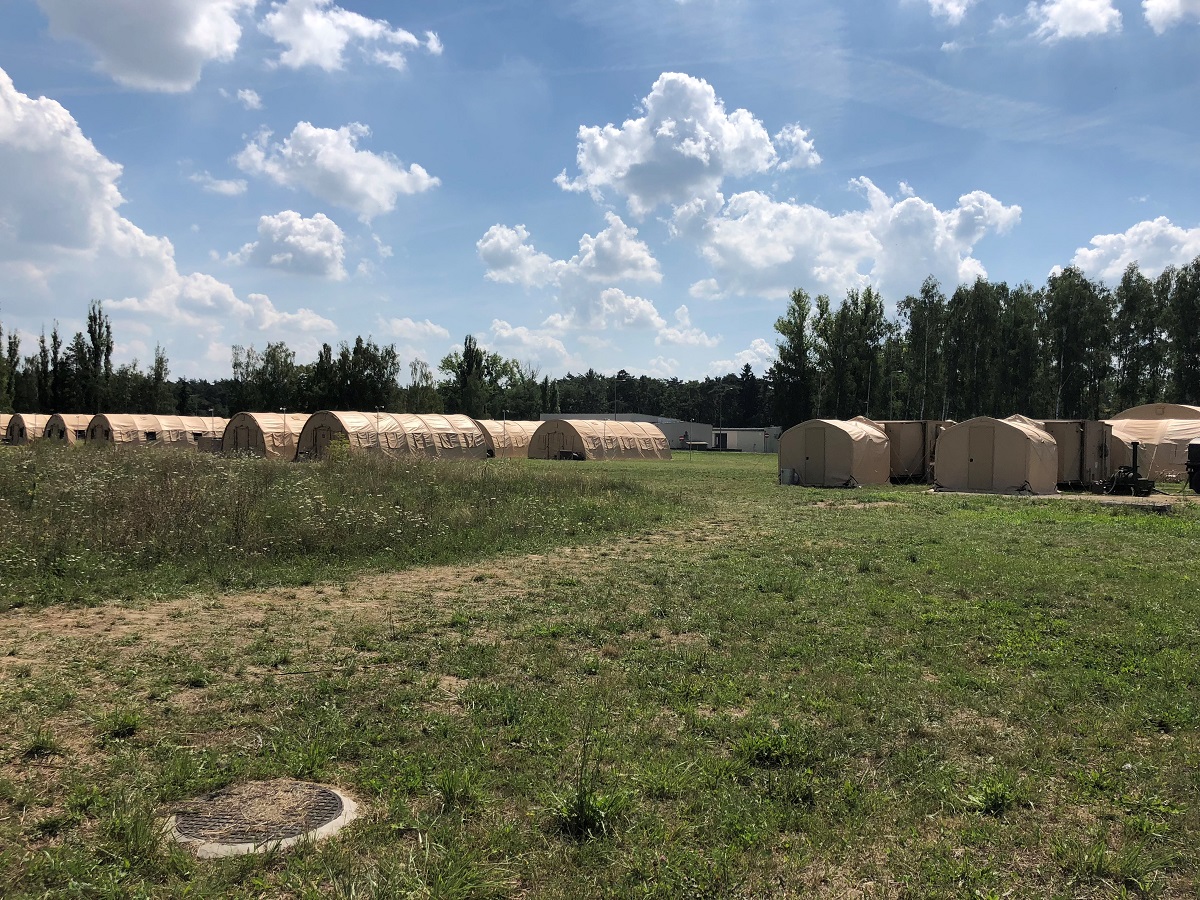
(598, 439)
(1160, 411)
(273, 435)
(5, 418)
(66, 427)
(393, 434)
(997, 456)
(1162, 446)
(168, 431)
(508, 438)
(836, 453)
(25, 427)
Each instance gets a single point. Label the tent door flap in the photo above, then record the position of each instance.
(981, 443)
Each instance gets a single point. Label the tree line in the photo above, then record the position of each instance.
(1074, 348)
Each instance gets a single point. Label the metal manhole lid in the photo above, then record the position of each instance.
(244, 818)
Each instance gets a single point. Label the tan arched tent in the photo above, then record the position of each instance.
(393, 434)
(1163, 432)
(25, 427)
(834, 453)
(67, 428)
(1160, 411)
(508, 438)
(997, 456)
(598, 439)
(273, 435)
(160, 431)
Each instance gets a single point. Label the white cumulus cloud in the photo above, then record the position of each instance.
(317, 33)
(1163, 14)
(951, 10)
(223, 186)
(153, 45)
(62, 235)
(760, 245)
(683, 332)
(249, 99)
(327, 163)
(1059, 19)
(585, 283)
(293, 243)
(407, 329)
(520, 342)
(682, 148)
(760, 356)
(1153, 244)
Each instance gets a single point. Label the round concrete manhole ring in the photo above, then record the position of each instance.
(259, 816)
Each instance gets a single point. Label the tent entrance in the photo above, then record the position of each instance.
(814, 456)
(981, 445)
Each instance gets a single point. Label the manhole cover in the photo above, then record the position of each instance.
(246, 818)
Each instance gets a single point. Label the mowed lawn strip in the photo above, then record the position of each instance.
(776, 692)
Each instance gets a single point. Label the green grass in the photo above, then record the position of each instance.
(732, 690)
(85, 524)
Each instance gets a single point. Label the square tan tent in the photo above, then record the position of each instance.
(25, 427)
(67, 428)
(1084, 450)
(912, 443)
(5, 418)
(997, 456)
(273, 435)
(393, 434)
(508, 438)
(598, 439)
(189, 432)
(834, 453)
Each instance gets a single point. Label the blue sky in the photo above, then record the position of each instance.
(630, 185)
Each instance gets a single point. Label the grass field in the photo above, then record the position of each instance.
(686, 682)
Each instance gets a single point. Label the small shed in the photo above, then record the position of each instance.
(834, 453)
(273, 435)
(912, 444)
(190, 432)
(393, 434)
(25, 427)
(67, 428)
(598, 439)
(997, 456)
(508, 438)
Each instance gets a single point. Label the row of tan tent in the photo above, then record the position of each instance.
(303, 436)
(188, 431)
(985, 454)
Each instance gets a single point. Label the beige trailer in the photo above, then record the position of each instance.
(834, 453)
(508, 438)
(997, 456)
(67, 428)
(392, 434)
(1084, 450)
(913, 442)
(598, 439)
(184, 432)
(273, 435)
(25, 427)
